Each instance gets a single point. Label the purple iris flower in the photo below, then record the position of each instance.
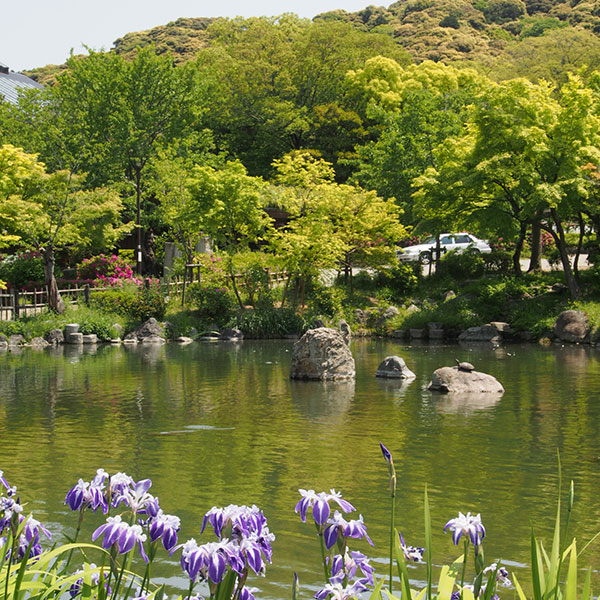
(502, 574)
(411, 553)
(123, 535)
(320, 505)
(386, 453)
(348, 565)
(339, 526)
(118, 483)
(337, 592)
(88, 495)
(466, 525)
(242, 519)
(135, 496)
(9, 507)
(32, 528)
(247, 593)
(75, 588)
(164, 527)
(208, 561)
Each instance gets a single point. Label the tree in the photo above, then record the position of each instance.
(415, 108)
(330, 225)
(121, 111)
(520, 158)
(49, 211)
(228, 205)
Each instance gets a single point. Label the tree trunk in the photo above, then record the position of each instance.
(559, 239)
(55, 302)
(535, 262)
(579, 246)
(519, 249)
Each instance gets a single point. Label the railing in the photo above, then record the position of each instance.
(16, 303)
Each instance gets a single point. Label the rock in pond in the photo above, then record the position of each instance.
(55, 337)
(455, 380)
(150, 329)
(322, 354)
(38, 342)
(231, 335)
(572, 326)
(394, 367)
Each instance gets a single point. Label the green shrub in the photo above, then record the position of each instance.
(254, 282)
(325, 300)
(272, 323)
(132, 301)
(401, 279)
(498, 261)
(214, 304)
(23, 270)
(466, 265)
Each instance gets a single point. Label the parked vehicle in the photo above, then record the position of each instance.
(459, 242)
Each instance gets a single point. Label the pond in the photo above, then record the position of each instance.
(214, 424)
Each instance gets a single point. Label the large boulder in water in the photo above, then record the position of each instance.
(455, 380)
(394, 367)
(572, 326)
(322, 354)
(149, 332)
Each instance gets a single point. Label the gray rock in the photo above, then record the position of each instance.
(117, 329)
(394, 367)
(389, 313)
(360, 316)
(572, 326)
(483, 333)
(398, 334)
(230, 334)
(449, 295)
(3, 341)
(501, 326)
(318, 323)
(16, 340)
(115, 341)
(71, 328)
(130, 340)
(417, 334)
(435, 331)
(413, 308)
(90, 338)
(151, 328)
(184, 340)
(75, 338)
(55, 337)
(345, 331)
(322, 354)
(455, 380)
(38, 342)
(153, 339)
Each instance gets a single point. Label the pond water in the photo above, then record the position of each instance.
(214, 424)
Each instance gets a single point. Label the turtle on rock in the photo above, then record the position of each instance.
(464, 366)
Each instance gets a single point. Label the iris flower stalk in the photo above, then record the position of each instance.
(392, 470)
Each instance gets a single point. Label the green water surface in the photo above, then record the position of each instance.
(214, 424)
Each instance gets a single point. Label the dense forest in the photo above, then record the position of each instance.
(424, 116)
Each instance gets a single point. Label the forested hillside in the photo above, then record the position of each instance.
(479, 115)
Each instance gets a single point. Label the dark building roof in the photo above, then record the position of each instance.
(11, 83)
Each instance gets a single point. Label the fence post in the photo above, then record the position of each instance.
(86, 294)
(147, 283)
(16, 303)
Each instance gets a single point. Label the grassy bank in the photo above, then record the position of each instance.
(530, 304)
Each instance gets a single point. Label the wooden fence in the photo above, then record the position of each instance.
(16, 303)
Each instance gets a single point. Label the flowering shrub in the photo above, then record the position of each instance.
(106, 270)
(23, 270)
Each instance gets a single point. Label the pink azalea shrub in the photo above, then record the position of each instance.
(106, 270)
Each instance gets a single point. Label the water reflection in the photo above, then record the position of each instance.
(318, 399)
(464, 404)
(254, 436)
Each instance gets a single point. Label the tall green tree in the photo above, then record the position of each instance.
(49, 211)
(413, 108)
(520, 158)
(121, 111)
